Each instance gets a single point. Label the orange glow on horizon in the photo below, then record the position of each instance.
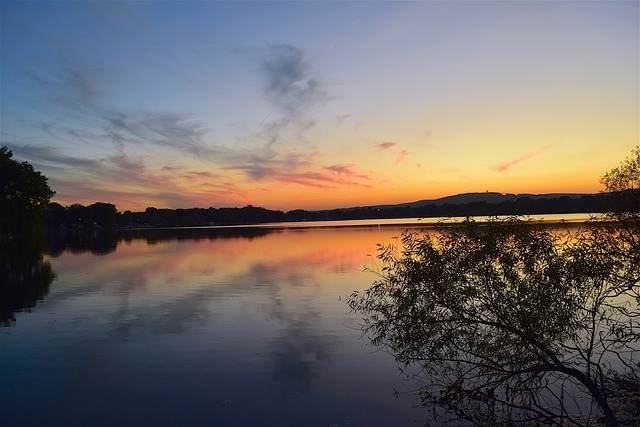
(347, 198)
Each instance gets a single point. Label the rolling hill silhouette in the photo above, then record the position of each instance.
(486, 197)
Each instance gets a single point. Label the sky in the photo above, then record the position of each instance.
(317, 104)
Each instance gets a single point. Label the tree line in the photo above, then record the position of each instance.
(103, 215)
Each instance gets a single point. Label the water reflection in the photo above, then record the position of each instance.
(105, 241)
(98, 242)
(202, 327)
(25, 276)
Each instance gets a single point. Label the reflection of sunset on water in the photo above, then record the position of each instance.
(181, 265)
(199, 313)
(199, 310)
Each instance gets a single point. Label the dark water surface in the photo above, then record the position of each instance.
(201, 327)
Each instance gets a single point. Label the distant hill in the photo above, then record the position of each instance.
(473, 204)
(486, 197)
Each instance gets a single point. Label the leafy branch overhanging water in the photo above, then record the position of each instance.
(512, 321)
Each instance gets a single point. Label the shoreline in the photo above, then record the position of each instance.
(429, 222)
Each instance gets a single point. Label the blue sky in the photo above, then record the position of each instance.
(317, 104)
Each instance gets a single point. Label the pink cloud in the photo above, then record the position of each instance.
(329, 177)
(231, 191)
(505, 166)
(197, 175)
(401, 156)
(386, 145)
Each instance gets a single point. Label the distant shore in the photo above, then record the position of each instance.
(572, 218)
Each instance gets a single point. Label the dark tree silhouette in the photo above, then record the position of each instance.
(623, 184)
(509, 321)
(626, 176)
(78, 216)
(512, 322)
(24, 196)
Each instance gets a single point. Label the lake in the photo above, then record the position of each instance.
(235, 326)
(202, 327)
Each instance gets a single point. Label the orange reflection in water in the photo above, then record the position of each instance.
(173, 266)
(197, 313)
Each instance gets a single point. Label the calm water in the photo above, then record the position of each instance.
(198, 327)
(202, 327)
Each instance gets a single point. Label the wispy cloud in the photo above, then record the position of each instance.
(45, 157)
(266, 164)
(224, 193)
(199, 175)
(117, 151)
(330, 177)
(507, 165)
(293, 89)
(300, 169)
(386, 145)
(171, 130)
(289, 84)
(78, 107)
(75, 84)
(123, 179)
(402, 154)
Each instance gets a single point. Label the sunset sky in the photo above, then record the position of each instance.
(317, 105)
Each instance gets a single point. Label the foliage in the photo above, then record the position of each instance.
(510, 321)
(626, 176)
(24, 195)
(98, 214)
(623, 182)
